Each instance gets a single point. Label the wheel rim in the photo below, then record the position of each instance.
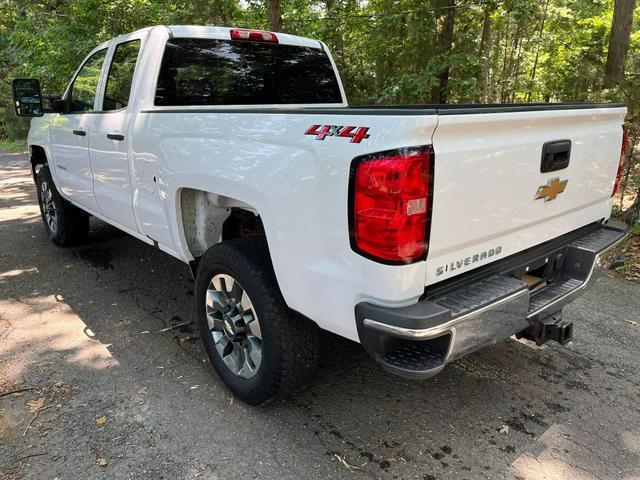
(234, 326)
(48, 207)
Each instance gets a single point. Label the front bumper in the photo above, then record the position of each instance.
(419, 340)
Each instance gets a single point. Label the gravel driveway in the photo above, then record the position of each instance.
(118, 393)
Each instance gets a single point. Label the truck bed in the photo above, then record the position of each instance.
(421, 109)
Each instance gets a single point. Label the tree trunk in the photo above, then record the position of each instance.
(338, 41)
(274, 15)
(485, 54)
(632, 214)
(619, 42)
(219, 13)
(494, 77)
(502, 81)
(516, 74)
(212, 10)
(446, 8)
(629, 167)
(534, 70)
(510, 64)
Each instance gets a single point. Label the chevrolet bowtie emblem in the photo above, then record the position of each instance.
(551, 190)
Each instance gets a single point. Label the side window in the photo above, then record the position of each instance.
(84, 87)
(120, 77)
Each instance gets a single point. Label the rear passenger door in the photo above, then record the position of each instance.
(108, 136)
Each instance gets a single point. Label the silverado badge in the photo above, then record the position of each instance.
(551, 190)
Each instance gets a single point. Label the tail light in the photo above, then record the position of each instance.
(390, 205)
(253, 35)
(623, 157)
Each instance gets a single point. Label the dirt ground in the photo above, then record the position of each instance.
(113, 394)
(631, 270)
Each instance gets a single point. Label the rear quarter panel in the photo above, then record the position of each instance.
(298, 185)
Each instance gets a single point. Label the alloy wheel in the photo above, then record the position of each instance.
(234, 326)
(48, 207)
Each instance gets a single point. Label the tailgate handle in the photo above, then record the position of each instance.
(555, 155)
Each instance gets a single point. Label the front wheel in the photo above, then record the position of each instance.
(257, 345)
(66, 224)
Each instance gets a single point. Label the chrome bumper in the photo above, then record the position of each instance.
(418, 341)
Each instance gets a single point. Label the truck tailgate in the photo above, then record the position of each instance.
(487, 176)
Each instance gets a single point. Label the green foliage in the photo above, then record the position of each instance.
(13, 146)
(386, 50)
(550, 50)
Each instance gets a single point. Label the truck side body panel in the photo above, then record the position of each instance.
(297, 184)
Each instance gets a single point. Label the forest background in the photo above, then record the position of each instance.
(387, 51)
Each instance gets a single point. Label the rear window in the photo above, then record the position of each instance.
(226, 72)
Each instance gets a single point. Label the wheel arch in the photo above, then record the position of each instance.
(37, 158)
(206, 218)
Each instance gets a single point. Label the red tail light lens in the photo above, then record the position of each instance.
(253, 35)
(390, 205)
(623, 157)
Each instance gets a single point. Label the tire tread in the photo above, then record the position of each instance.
(295, 337)
(73, 223)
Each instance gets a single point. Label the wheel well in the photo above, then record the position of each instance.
(38, 157)
(242, 223)
(209, 218)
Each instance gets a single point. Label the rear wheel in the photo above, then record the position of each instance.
(257, 345)
(65, 224)
(234, 326)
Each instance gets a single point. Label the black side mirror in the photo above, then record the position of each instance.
(53, 104)
(27, 99)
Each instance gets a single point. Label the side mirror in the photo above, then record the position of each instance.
(53, 104)
(27, 99)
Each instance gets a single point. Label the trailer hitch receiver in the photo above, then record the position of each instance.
(552, 327)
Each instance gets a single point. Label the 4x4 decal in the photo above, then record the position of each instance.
(356, 134)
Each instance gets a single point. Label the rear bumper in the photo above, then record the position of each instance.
(419, 340)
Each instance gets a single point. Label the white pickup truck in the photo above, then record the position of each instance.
(422, 232)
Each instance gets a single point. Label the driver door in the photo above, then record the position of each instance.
(69, 134)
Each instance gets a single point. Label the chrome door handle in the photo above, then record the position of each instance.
(81, 133)
(115, 136)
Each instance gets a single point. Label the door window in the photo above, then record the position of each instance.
(120, 76)
(84, 87)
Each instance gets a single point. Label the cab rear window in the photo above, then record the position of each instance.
(227, 72)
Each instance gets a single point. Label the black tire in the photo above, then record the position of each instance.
(65, 223)
(289, 341)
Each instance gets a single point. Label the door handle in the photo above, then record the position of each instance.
(555, 155)
(115, 136)
(81, 133)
